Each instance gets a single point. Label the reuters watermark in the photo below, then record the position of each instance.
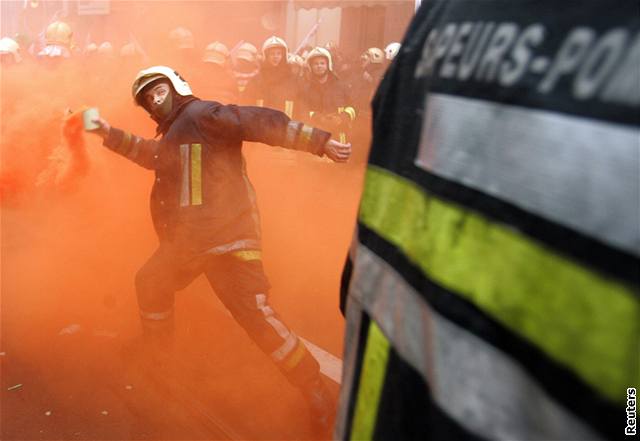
(631, 412)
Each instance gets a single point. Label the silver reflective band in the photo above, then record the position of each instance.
(284, 350)
(184, 188)
(577, 172)
(476, 384)
(156, 315)
(244, 244)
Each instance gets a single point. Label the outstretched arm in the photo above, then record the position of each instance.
(272, 127)
(142, 151)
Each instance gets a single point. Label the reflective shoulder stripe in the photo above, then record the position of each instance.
(479, 386)
(543, 297)
(260, 102)
(374, 367)
(196, 174)
(248, 255)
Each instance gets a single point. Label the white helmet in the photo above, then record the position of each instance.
(106, 49)
(216, 53)
(392, 50)
(181, 38)
(295, 60)
(320, 52)
(149, 75)
(272, 42)
(10, 46)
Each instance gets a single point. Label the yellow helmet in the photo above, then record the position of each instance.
(10, 46)
(58, 33)
(272, 42)
(216, 52)
(149, 75)
(320, 52)
(375, 55)
(182, 38)
(247, 52)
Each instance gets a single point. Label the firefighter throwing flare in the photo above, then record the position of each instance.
(204, 212)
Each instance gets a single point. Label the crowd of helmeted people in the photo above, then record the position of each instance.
(318, 85)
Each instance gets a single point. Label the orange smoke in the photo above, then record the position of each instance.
(76, 227)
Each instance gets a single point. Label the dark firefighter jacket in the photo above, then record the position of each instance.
(274, 87)
(202, 199)
(319, 100)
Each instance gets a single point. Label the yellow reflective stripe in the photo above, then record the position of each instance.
(248, 255)
(374, 368)
(579, 318)
(295, 357)
(196, 174)
(351, 112)
(311, 113)
(288, 108)
(126, 140)
(260, 103)
(305, 133)
(343, 137)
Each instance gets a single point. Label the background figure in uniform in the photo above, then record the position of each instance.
(9, 52)
(275, 86)
(204, 212)
(325, 99)
(215, 77)
(182, 49)
(495, 287)
(58, 41)
(245, 67)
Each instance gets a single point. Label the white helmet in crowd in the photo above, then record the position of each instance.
(320, 52)
(105, 49)
(272, 42)
(91, 49)
(247, 52)
(182, 38)
(151, 74)
(129, 50)
(392, 50)
(295, 59)
(216, 53)
(10, 46)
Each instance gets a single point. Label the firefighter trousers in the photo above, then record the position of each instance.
(239, 281)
